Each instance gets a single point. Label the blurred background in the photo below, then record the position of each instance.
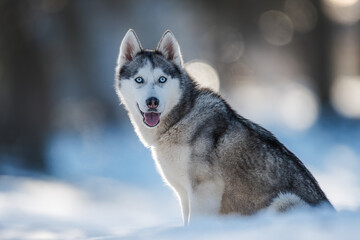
(292, 66)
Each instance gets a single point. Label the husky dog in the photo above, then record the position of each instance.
(216, 161)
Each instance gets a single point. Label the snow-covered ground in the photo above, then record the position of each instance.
(107, 209)
(105, 186)
(52, 209)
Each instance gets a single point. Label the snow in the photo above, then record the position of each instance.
(106, 209)
(52, 209)
(104, 185)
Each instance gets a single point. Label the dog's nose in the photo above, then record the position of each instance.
(152, 102)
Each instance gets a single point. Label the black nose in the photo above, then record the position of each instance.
(152, 102)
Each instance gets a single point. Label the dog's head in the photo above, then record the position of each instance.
(148, 82)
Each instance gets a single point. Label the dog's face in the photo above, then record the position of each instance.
(148, 82)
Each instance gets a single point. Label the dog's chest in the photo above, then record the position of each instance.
(172, 161)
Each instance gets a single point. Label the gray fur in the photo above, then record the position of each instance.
(156, 59)
(253, 165)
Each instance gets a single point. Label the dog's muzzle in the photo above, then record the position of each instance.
(150, 118)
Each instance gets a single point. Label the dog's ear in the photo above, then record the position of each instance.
(129, 48)
(170, 49)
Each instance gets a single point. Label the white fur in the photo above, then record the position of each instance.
(286, 201)
(131, 94)
(205, 200)
(171, 159)
(172, 164)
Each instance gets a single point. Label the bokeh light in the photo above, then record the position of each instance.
(289, 104)
(231, 46)
(343, 3)
(303, 14)
(276, 27)
(345, 95)
(204, 74)
(299, 107)
(345, 12)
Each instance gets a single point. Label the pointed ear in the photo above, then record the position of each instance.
(130, 46)
(169, 48)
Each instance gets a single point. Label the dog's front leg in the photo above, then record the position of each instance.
(184, 202)
(205, 199)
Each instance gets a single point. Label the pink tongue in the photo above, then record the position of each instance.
(152, 118)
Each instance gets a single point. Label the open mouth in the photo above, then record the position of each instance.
(151, 119)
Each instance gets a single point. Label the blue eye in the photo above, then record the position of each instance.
(139, 80)
(162, 79)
